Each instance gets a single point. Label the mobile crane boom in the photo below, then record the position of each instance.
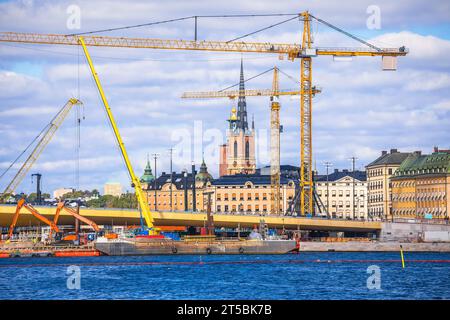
(135, 183)
(61, 206)
(21, 204)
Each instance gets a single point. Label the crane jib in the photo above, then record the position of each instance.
(292, 50)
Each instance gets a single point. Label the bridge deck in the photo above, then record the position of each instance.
(131, 217)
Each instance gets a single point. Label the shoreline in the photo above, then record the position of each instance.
(374, 246)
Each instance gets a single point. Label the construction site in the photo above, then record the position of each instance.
(292, 219)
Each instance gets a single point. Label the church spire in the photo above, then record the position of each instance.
(242, 104)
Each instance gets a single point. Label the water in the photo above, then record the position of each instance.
(295, 276)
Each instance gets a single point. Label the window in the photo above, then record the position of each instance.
(233, 197)
(235, 149)
(247, 150)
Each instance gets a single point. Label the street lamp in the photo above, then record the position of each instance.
(185, 175)
(155, 156)
(328, 165)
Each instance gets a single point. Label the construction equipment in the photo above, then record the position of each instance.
(22, 204)
(61, 206)
(135, 182)
(305, 52)
(275, 128)
(40, 146)
(38, 187)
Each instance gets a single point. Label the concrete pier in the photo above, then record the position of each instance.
(373, 246)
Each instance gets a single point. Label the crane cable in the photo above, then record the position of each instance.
(184, 18)
(265, 28)
(346, 33)
(260, 74)
(251, 78)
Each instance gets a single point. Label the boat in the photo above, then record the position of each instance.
(160, 245)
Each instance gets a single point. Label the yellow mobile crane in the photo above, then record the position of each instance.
(47, 135)
(135, 183)
(305, 52)
(274, 94)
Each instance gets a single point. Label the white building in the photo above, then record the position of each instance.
(336, 194)
(58, 193)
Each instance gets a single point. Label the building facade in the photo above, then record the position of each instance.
(335, 191)
(58, 193)
(379, 173)
(113, 189)
(237, 155)
(175, 192)
(249, 194)
(421, 186)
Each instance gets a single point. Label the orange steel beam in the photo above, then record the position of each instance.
(76, 216)
(21, 204)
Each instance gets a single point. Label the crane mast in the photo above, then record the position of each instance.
(40, 146)
(306, 178)
(275, 145)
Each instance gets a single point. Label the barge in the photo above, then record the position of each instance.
(159, 245)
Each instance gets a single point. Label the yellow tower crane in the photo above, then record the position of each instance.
(274, 94)
(46, 136)
(305, 52)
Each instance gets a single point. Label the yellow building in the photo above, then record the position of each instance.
(379, 173)
(248, 194)
(421, 186)
(175, 192)
(113, 189)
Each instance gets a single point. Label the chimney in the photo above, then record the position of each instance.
(436, 149)
(394, 151)
(384, 152)
(345, 170)
(418, 153)
(336, 170)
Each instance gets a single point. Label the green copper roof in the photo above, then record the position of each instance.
(147, 177)
(417, 164)
(203, 175)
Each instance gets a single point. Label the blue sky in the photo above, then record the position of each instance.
(361, 111)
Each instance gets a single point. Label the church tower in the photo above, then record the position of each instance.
(238, 154)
